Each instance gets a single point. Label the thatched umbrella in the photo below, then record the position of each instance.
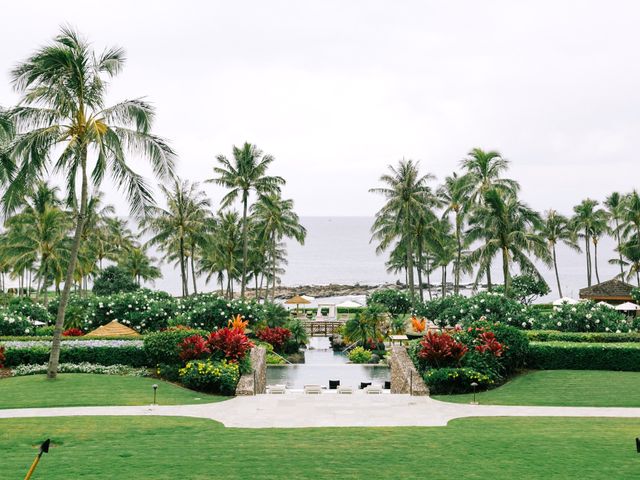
(297, 301)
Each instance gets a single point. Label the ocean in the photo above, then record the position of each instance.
(338, 250)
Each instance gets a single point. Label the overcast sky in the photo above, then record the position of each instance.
(337, 90)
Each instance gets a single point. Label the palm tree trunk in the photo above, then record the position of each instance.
(588, 254)
(428, 267)
(555, 267)
(183, 273)
(619, 240)
(444, 281)
(410, 270)
(505, 270)
(193, 271)
(54, 357)
(595, 258)
(273, 270)
(456, 286)
(489, 277)
(245, 243)
(419, 270)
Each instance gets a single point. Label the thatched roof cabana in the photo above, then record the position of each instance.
(113, 329)
(612, 291)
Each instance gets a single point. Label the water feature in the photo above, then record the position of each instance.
(323, 364)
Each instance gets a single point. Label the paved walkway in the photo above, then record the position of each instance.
(299, 410)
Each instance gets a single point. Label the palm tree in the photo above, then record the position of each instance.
(246, 173)
(508, 226)
(175, 228)
(484, 170)
(631, 215)
(62, 114)
(407, 198)
(631, 258)
(443, 248)
(587, 218)
(454, 196)
(556, 228)
(615, 207)
(139, 265)
(275, 220)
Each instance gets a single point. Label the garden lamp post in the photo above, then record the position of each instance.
(44, 448)
(474, 385)
(155, 390)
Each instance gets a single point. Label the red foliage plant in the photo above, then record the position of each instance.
(441, 349)
(489, 344)
(2, 358)
(72, 332)
(231, 342)
(276, 336)
(193, 347)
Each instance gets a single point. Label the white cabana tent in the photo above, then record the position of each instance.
(331, 315)
(349, 304)
(563, 301)
(628, 307)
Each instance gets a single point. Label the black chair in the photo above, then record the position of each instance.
(387, 385)
(334, 384)
(364, 385)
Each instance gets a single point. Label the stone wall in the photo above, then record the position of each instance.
(254, 381)
(404, 376)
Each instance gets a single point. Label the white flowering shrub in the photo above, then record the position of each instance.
(14, 324)
(84, 367)
(210, 312)
(586, 317)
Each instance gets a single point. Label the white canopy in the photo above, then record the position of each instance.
(349, 304)
(563, 300)
(308, 297)
(604, 304)
(628, 307)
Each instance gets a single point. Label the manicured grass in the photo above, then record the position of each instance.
(81, 389)
(594, 388)
(169, 448)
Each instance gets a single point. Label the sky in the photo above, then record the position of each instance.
(338, 90)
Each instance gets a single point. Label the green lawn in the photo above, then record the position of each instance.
(169, 448)
(81, 389)
(595, 388)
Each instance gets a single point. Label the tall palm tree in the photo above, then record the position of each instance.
(247, 172)
(508, 226)
(454, 195)
(556, 228)
(631, 215)
(587, 218)
(174, 227)
(407, 197)
(443, 248)
(484, 171)
(631, 258)
(275, 220)
(615, 207)
(62, 124)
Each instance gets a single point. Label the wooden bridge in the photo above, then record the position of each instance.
(322, 328)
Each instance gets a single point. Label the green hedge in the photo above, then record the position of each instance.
(589, 337)
(133, 356)
(584, 356)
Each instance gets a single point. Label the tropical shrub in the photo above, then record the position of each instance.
(164, 347)
(30, 310)
(72, 332)
(210, 312)
(46, 331)
(439, 349)
(211, 376)
(14, 324)
(273, 315)
(2, 358)
(360, 355)
(298, 332)
(525, 288)
(396, 302)
(77, 312)
(584, 356)
(112, 280)
(143, 310)
(229, 343)
(276, 336)
(446, 381)
(458, 310)
(418, 325)
(193, 348)
(587, 317)
(635, 295)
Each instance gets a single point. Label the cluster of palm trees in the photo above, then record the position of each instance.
(475, 218)
(233, 248)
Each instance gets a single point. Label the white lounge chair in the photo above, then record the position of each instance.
(313, 389)
(277, 389)
(373, 389)
(345, 390)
